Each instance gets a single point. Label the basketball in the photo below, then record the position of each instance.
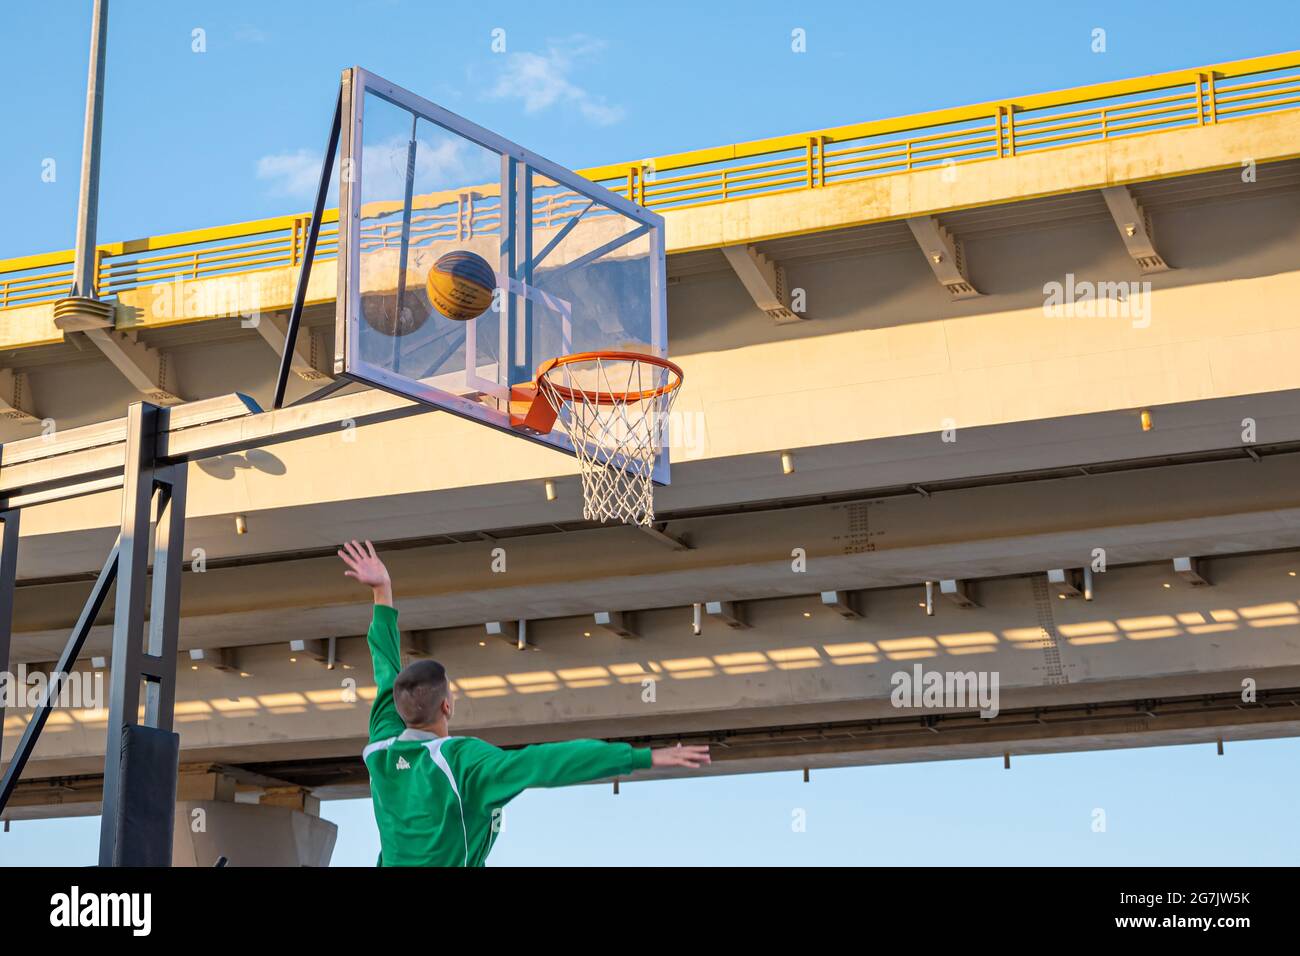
(460, 285)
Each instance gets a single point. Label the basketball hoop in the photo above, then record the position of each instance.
(614, 407)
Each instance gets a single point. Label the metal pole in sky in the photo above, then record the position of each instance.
(88, 205)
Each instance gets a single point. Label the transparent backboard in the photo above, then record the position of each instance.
(576, 268)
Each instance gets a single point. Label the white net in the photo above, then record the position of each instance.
(614, 409)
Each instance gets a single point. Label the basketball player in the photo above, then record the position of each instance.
(438, 799)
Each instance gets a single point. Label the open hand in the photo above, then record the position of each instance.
(364, 565)
(680, 756)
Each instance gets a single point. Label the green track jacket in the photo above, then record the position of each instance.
(438, 800)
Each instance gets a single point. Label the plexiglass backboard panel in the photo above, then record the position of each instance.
(571, 266)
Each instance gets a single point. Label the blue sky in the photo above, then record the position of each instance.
(235, 132)
(1180, 806)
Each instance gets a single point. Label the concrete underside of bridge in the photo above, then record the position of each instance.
(981, 440)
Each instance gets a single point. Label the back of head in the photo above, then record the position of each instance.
(419, 691)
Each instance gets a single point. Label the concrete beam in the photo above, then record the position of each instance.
(784, 670)
(764, 280)
(960, 534)
(415, 644)
(76, 452)
(842, 603)
(272, 832)
(1088, 166)
(852, 746)
(318, 649)
(944, 255)
(958, 593)
(658, 533)
(1134, 228)
(144, 367)
(512, 632)
(1188, 569)
(223, 659)
(205, 781)
(274, 331)
(729, 613)
(1265, 138)
(616, 623)
(15, 398)
(1064, 582)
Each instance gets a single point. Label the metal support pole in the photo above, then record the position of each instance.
(137, 661)
(8, 577)
(404, 246)
(507, 271)
(165, 604)
(523, 249)
(88, 207)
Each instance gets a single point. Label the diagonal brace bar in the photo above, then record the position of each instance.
(89, 612)
(308, 254)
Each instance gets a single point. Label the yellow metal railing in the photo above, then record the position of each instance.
(986, 131)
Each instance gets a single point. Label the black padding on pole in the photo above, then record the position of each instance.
(147, 808)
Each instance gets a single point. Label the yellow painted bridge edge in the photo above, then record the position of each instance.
(1200, 96)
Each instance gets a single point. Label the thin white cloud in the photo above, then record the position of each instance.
(442, 162)
(541, 81)
(291, 175)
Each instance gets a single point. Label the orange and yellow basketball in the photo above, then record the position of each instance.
(460, 285)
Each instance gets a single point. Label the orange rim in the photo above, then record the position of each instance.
(610, 398)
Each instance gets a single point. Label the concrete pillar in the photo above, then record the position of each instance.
(276, 825)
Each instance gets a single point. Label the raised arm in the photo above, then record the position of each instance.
(494, 777)
(385, 644)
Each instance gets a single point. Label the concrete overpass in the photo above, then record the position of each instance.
(886, 309)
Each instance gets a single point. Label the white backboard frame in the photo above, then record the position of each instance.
(517, 167)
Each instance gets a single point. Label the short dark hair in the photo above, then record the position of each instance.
(418, 691)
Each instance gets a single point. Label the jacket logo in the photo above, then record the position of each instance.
(402, 764)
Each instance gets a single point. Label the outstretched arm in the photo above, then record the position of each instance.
(385, 644)
(495, 777)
